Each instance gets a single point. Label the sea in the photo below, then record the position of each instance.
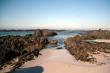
(62, 35)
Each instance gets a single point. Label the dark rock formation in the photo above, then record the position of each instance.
(97, 34)
(23, 47)
(47, 32)
(82, 49)
(13, 46)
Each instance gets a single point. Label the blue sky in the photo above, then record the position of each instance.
(54, 14)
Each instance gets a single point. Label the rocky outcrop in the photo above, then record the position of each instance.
(15, 46)
(46, 32)
(83, 50)
(97, 34)
(23, 47)
(53, 42)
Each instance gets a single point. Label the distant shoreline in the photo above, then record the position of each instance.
(62, 29)
(9, 30)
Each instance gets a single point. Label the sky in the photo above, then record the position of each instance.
(54, 14)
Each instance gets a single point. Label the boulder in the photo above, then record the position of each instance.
(47, 32)
(53, 42)
(43, 32)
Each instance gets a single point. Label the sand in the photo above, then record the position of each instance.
(61, 61)
(51, 55)
(57, 67)
(102, 40)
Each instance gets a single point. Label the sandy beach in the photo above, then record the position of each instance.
(54, 36)
(60, 61)
(53, 60)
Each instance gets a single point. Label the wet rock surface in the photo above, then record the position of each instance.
(82, 49)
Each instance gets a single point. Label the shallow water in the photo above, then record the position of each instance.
(14, 33)
(62, 35)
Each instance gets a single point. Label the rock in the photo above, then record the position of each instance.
(97, 34)
(81, 49)
(13, 46)
(37, 33)
(53, 42)
(1, 68)
(43, 32)
(30, 57)
(22, 47)
(47, 32)
(36, 52)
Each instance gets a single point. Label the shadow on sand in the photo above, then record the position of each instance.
(37, 69)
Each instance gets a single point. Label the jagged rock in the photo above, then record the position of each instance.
(13, 46)
(47, 32)
(81, 49)
(97, 34)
